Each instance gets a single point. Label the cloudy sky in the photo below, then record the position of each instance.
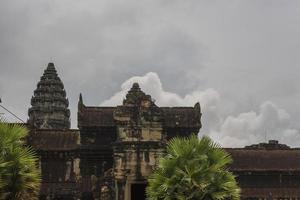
(240, 59)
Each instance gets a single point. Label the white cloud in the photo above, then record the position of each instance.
(151, 84)
(270, 122)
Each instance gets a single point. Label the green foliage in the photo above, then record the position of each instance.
(19, 176)
(193, 169)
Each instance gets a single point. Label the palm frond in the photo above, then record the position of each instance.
(19, 176)
(193, 169)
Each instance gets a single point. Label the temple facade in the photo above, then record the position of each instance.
(115, 149)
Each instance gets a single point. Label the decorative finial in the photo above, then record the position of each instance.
(80, 98)
(197, 107)
(135, 86)
(198, 114)
(80, 101)
(50, 64)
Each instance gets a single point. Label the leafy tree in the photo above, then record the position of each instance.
(193, 169)
(19, 175)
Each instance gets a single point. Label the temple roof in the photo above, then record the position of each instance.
(186, 117)
(264, 160)
(271, 193)
(96, 116)
(54, 140)
(181, 117)
(271, 145)
(172, 116)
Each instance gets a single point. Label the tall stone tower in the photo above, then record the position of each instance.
(140, 141)
(49, 103)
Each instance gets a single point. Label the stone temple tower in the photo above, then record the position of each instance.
(49, 105)
(140, 141)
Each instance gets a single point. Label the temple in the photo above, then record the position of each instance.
(49, 104)
(115, 149)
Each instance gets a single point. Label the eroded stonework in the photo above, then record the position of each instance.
(115, 149)
(140, 141)
(127, 140)
(49, 104)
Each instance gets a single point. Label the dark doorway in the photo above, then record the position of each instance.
(87, 196)
(138, 191)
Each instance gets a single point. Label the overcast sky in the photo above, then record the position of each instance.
(240, 59)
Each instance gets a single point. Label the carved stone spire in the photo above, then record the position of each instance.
(135, 96)
(49, 104)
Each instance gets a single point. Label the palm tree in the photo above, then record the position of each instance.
(193, 169)
(19, 175)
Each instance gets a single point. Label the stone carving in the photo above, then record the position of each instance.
(49, 105)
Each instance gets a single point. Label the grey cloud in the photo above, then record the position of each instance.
(245, 50)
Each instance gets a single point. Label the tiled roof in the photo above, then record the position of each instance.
(172, 116)
(265, 160)
(279, 192)
(181, 117)
(96, 116)
(54, 139)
